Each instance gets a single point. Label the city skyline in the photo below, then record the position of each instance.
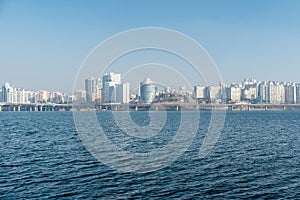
(44, 43)
(142, 79)
(111, 88)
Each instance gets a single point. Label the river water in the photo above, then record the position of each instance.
(256, 156)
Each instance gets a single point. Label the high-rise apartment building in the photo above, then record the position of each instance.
(234, 93)
(263, 92)
(200, 92)
(11, 94)
(214, 92)
(7, 93)
(249, 94)
(276, 93)
(80, 96)
(290, 93)
(92, 87)
(114, 90)
(122, 92)
(109, 82)
(42, 96)
(297, 93)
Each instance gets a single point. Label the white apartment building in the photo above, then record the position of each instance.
(276, 93)
(200, 92)
(290, 93)
(114, 90)
(249, 93)
(234, 93)
(214, 93)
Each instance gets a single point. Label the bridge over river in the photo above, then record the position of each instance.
(194, 106)
(140, 106)
(34, 107)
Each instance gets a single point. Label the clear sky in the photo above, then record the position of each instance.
(43, 43)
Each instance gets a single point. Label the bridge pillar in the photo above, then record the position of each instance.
(177, 107)
(0, 108)
(14, 108)
(266, 107)
(248, 108)
(136, 108)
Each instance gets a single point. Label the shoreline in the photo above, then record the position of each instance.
(145, 107)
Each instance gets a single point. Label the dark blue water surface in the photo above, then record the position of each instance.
(257, 156)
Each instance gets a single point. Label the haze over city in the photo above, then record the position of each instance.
(149, 99)
(43, 43)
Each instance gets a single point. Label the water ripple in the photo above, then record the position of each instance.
(257, 156)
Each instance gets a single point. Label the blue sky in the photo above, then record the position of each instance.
(43, 43)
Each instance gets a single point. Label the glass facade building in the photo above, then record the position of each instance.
(148, 91)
